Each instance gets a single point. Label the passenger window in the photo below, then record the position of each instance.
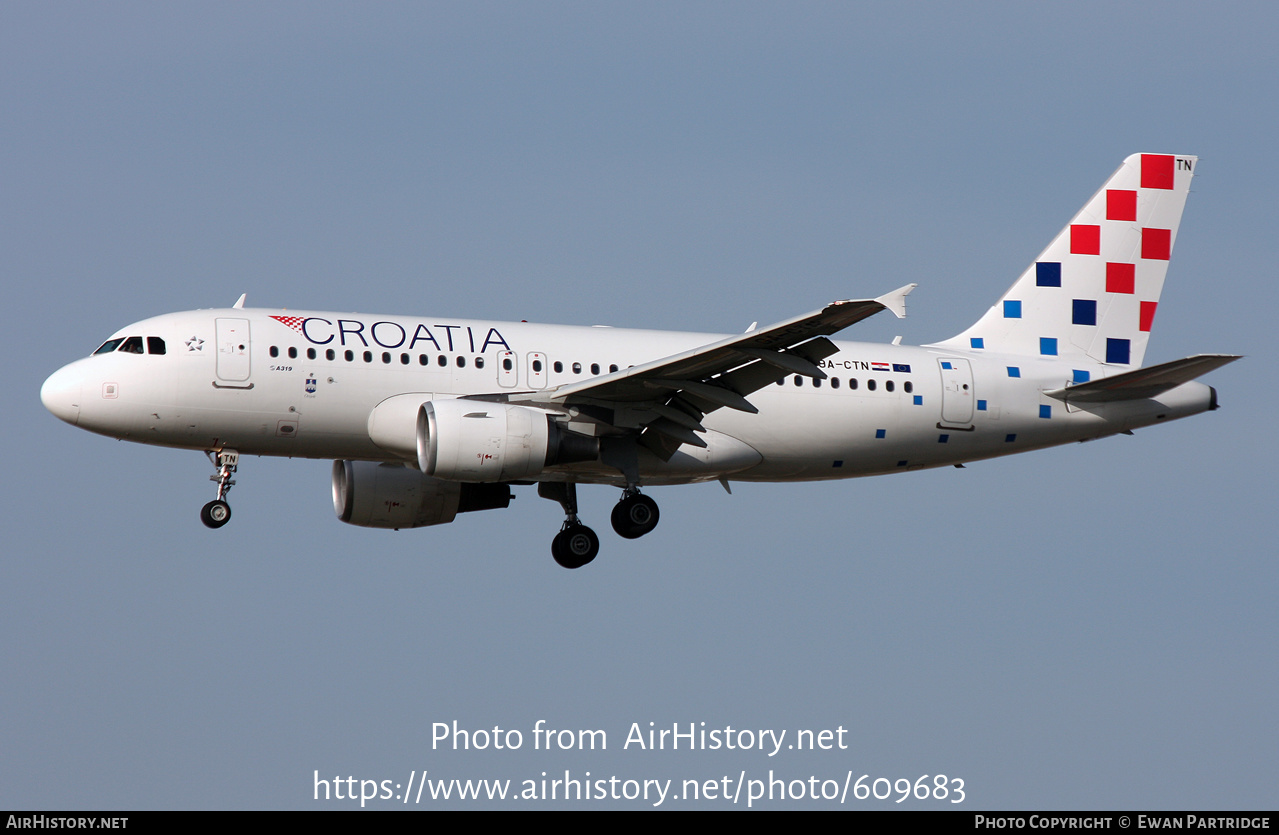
(834, 382)
(330, 355)
(404, 359)
(310, 353)
(293, 353)
(799, 381)
(889, 385)
(507, 365)
(909, 387)
(870, 385)
(461, 362)
(274, 352)
(852, 383)
(559, 367)
(577, 368)
(421, 359)
(817, 383)
(612, 369)
(479, 362)
(155, 345)
(441, 360)
(350, 355)
(386, 357)
(537, 367)
(132, 345)
(595, 368)
(368, 356)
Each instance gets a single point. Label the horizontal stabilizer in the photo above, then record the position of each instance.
(1144, 382)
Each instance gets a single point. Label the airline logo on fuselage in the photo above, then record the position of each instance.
(387, 334)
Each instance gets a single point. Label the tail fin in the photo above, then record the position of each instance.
(1091, 295)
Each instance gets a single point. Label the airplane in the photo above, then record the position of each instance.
(429, 417)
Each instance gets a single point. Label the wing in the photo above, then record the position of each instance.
(667, 398)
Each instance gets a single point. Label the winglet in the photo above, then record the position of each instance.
(240, 303)
(896, 300)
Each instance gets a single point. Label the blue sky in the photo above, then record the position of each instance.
(1084, 627)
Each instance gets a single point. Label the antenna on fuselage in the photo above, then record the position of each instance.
(240, 303)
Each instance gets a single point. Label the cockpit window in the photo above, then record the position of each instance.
(155, 345)
(108, 346)
(133, 345)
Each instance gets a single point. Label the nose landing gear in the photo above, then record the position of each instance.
(217, 513)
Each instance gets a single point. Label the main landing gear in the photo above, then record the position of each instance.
(217, 513)
(635, 515)
(576, 545)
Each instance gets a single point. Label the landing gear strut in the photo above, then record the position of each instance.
(575, 545)
(217, 513)
(635, 515)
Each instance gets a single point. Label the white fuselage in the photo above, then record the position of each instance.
(303, 384)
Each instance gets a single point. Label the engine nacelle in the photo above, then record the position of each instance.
(375, 495)
(477, 441)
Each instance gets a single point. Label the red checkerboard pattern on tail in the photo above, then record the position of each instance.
(1091, 295)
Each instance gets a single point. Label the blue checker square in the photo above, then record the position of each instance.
(1084, 312)
(977, 342)
(1008, 439)
(1081, 376)
(1048, 346)
(1048, 274)
(1014, 371)
(1117, 350)
(981, 405)
(881, 433)
(1012, 309)
(919, 400)
(941, 439)
(945, 364)
(1045, 411)
(838, 464)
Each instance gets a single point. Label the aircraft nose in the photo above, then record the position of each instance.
(61, 394)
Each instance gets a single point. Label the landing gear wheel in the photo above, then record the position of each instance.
(635, 515)
(575, 546)
(215, 514)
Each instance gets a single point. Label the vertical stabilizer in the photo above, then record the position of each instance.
(1091, 295)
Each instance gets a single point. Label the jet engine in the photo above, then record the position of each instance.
(374, 495)
(478, 441)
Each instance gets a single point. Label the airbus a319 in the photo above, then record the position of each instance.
(429, 417)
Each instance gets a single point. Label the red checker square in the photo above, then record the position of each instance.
(1121, 278)
(1147, 315)
(1156, 244)
(1085, 240)
(1121, 204)
(1157, 170)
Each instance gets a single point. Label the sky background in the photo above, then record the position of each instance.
(1091, 626)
